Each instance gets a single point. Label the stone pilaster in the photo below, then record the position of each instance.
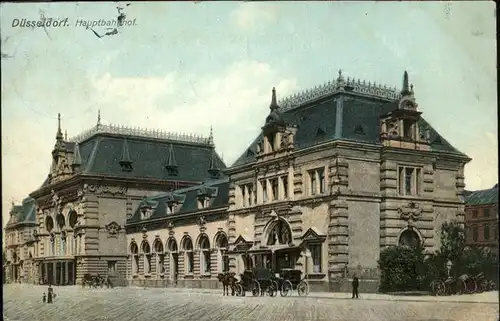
(338, 237)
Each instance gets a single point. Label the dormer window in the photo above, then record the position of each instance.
(171, 207)
(203, 202)
(146, 213)
(271, 141)
(407, 129)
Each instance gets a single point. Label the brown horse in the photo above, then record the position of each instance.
(228, 281)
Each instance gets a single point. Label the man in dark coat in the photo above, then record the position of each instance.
(355, 285)
(50, 294)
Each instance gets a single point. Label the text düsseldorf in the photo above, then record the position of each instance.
(47, 22)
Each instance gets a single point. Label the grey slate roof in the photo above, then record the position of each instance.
(24, 213)
(482, 197)
(188, 199)
(316, 122)
(102, 153)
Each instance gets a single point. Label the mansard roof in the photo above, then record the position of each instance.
(482, 197)
(24, 213)
(187, 199)
(358, 106)
(102, 150)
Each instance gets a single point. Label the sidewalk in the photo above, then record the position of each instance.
(485, 297)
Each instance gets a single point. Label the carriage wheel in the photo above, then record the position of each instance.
(239, 290)
(255, 288)
(303, 288)
(492, 286)
(286, 288)
(483, 285)
(474, 287)
(461, 287)
(441, 288)
(271, 289)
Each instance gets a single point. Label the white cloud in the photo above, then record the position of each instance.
(251, 14)
(234, 101)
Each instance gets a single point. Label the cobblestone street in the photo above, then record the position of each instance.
(23, 302)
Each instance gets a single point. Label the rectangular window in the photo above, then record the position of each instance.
(243, 195)
(284, 179)
(313, 182)
(321, 175)
(264, 190)
(409, 181)
(474, 233)
(486, 232)
(271, 139)
(274, 188)
(249, 194)
(486, 212)
(170, 208)
(474, 214)
(316, 257)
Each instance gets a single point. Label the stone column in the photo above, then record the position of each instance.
(66, 278)
(245, 195)
(54, 272)
(318, 183)
(268, 190)
(281, 193)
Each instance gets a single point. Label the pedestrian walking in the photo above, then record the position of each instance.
(355, 285)
(50, 293)
(44, 297)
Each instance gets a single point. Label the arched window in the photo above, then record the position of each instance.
(134, 251)
(60, 221)
(474, 233)
(187, 247)
(409, 238)
(486, 232)
(49, 224)
(146, 252)
(72, 218)
(222, 258)
(279, 233)
(159, 257)
(204, 246)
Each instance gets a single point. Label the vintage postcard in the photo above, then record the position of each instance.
(249, 161)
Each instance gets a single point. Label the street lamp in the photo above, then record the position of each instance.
(308, 255)
(449, 264)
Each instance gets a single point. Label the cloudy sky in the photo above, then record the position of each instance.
(186, 66)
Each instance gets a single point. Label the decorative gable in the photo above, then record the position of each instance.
(147, 208)
(125, 161)
(312, 235)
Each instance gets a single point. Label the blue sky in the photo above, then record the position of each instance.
(186, 66)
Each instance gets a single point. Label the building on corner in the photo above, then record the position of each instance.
(481, 218)
(337, 174)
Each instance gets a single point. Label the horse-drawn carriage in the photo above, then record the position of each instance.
(260, 281)
(95, 281)
(464, 284)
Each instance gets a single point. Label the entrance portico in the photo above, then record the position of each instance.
(58, 271)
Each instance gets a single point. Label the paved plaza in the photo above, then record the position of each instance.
(24, 302)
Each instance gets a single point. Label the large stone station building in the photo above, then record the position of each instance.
(337, 174)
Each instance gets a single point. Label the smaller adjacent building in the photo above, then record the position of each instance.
(20, 243)
(481, 218)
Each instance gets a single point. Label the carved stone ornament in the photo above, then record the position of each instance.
(113, 228)
(410, 213)
(104, 189)
(170, 226)
(202, 221)
(144, 231)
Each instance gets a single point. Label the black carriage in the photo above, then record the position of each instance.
(291, 279)
(95, 281)
(259, 281)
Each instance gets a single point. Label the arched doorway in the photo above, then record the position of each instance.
(409, 238)
(204, 246)
(134, 252)
(159, 258)
(187, 247)
(146, 256)
(222, 245)
(174, 258)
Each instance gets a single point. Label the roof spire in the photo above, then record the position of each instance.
(274, 104)
(406, 88)
(98, 117)
(59, 135)
(214, 169)
(65, 135)
(211, 136)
